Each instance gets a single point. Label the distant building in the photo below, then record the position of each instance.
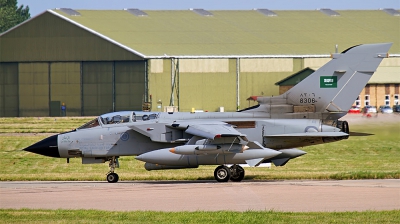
(97, 61)
(290, 81)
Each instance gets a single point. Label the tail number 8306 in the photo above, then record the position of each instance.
(307, 100)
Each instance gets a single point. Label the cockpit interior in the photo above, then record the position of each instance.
(119, 118)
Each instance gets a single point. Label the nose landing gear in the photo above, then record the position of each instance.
(111, 176)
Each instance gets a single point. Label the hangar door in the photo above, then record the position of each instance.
(33, 89)
(8, 90)
(112, 86)
(129, 85)
(65, 88)
(97, 78)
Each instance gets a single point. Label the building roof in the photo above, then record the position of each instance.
(386, 75)
(185, 33)
(296, 77)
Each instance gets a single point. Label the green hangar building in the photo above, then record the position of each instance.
(98, 61)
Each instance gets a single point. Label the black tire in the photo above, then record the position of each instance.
(345, 128)
(237, 173)
(112, 178)
(222, 174)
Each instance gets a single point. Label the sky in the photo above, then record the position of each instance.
(38, 6)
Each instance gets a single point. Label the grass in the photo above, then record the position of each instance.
(366, 157)
(95, 216)
(41, 124)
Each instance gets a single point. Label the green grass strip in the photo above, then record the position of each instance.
(96, 216)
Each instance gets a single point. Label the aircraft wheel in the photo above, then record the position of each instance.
(237, 173)
(112, 178)
(222, 174)
(345, 128)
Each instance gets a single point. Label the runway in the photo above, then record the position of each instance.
(295, 196)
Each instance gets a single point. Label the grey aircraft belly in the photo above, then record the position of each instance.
(307, 114)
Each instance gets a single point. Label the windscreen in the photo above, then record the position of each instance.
(91, 124)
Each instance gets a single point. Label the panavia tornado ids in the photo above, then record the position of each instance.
(272, 131)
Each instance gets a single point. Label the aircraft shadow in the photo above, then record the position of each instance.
(357, 134)
(210, 179)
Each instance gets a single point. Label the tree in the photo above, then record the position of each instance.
(11, 14)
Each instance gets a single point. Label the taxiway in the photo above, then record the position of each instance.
(296, 196)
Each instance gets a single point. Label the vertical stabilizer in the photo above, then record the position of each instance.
(336, 85)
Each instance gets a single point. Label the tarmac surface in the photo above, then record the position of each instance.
(295, 196)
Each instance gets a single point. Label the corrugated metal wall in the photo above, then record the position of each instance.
(208, 84)
(129, 85)
(86, 88)
(206, 90)
(8, 89)
(33, 89)
(160, 83)
(66, 87)
(259, 84)
(112, 86)
(93, 88)
(258, 75)
(97, 87)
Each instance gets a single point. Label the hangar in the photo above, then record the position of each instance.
(97, 61)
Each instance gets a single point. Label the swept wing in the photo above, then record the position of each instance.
(204, 129)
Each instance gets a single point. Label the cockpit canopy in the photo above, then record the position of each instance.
(120, 117)
(116, 117)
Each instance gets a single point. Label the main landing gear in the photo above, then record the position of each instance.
(111, 176)
(234, 173)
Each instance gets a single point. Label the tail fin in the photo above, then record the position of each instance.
(335, 86)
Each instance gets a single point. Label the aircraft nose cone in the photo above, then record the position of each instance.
(46, 147)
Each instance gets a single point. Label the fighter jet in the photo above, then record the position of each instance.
(307, 114)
